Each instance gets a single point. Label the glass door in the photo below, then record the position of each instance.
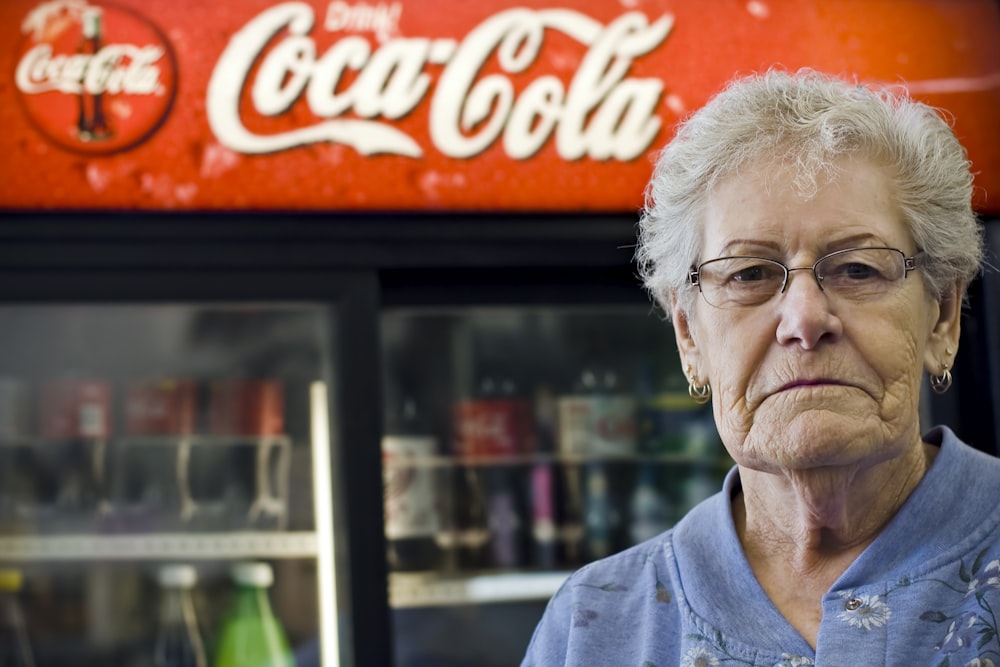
(136, 438)
(520, 443)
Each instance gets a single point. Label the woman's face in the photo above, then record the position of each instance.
(809, 379)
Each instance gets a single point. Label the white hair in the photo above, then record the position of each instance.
(810, 120)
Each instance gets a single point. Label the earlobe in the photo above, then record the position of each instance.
(944, 336)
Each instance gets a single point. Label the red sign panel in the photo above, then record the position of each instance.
(430, 104)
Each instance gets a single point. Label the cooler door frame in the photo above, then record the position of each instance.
(117, 259)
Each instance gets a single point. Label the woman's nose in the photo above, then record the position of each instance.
(807, 317)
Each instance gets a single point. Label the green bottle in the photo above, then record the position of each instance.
(251, 635)
(15, 646)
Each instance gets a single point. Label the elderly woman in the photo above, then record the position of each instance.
(812, 240)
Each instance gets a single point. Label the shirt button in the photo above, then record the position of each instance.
(852, 604)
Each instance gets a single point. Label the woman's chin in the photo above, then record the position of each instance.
(816, 439)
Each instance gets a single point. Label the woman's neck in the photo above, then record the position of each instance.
(802, 529)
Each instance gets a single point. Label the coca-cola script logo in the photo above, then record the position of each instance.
(353, 92)
(94, 78)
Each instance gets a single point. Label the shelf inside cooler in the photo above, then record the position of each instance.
(144, 484)
(209, 546)
(425, 589)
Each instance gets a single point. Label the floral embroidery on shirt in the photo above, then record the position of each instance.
(988, 578)
(864, 611)
(713, 650)
(969, 631)
(698, 656)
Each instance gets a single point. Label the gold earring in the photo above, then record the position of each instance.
(941, 383)
(700, 393)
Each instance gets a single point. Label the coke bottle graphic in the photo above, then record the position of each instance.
(178, 640)
(92, 123)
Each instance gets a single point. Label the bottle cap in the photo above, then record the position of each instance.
(178, 576)
(253, 574)
(10, 580)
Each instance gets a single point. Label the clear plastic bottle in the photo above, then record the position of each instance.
(178, 641)
(15, 645)
(252, 636)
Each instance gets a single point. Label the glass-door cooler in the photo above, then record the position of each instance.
(520, 442)
(171, 487)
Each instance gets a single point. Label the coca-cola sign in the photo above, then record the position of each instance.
(602, 113)
(539, 105)
(93, 78)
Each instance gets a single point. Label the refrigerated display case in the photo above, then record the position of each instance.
(563, 433)
(174, 421)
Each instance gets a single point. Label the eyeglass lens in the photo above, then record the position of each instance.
(857, 274)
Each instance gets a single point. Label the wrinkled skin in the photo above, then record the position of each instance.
(816, 398)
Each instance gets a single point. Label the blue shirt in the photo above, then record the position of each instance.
(926, 592)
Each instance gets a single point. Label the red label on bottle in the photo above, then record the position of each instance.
(75, 409)
(246, 407)
(495, 427)
(160, 407)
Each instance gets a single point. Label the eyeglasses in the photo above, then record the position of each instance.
(856, 274)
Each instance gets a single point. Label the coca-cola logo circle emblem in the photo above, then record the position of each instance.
(94, 78)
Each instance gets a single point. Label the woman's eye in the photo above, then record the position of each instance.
(751, 274)
(857, 271)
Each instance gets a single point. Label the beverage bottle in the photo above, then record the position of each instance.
(495, 419)
(507, 525)
(178, 641)
(542, 484)
(493, 425)
(649, 510)
(251, 635)
(471, 517)
(599, 416)
(601, 518)
(412, 507)
(15, 645)
(544, 531)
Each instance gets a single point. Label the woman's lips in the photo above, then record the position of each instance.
(812, 383)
